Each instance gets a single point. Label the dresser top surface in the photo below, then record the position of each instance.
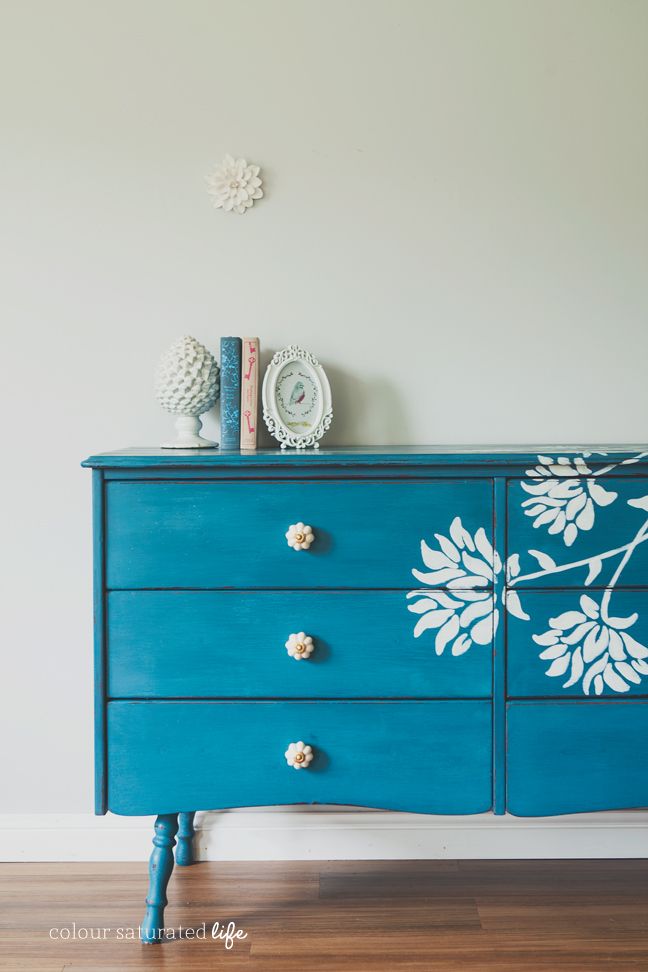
(388, 455)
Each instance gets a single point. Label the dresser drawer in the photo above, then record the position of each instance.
(417, 756)
(583, 643)
(569, 757)
(233, 643)
(582, 528)
(232, 535)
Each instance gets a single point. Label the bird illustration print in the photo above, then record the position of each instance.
(298, 393)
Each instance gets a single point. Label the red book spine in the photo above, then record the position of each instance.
(249, 392)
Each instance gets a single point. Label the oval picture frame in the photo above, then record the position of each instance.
(296, 397)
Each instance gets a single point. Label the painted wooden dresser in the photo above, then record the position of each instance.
(426, 629)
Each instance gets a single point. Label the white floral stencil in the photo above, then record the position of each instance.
(462, 615)
(587, 645)
(561, 498)
(593, 648)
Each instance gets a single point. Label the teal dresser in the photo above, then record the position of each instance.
(426, 629)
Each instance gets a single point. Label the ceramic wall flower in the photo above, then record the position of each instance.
(234, 185)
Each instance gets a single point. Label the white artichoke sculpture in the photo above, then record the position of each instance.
(188, 384)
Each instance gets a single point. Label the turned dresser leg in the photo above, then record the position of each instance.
(160, 868)
(186, 833)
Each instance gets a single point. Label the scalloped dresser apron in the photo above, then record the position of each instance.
(439, 630)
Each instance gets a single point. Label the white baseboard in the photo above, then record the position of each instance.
(302, 833)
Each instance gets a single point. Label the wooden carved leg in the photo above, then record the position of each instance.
(186, 833)
(160, 868)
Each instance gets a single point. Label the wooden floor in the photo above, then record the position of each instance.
(472, 916)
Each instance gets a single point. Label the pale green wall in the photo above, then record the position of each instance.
(455, 222)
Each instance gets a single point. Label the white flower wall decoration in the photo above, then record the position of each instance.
(234, 185)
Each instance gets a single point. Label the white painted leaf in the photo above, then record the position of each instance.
(594, 569)
(534, 510)
(445, 634)
(461, 645)
(475, 610)
(565, 490)
(577, 669)
(585, 519)
(558, 524)
(514, 606)
(547, 638)
(621, 623)
(437, 577)
(575, 505)
(613, 680)
(434, 559)
(448, 547)
(595, 643)
(513, 565)
(627, 671)
(558, 667)
(577, 634)
(468, 541)
(640, 665)
(420, 607)
(598, 685)
(553, 651)
(482, 632)
(477, 566)
(456, 532)
(433, 619)
(633, 647)
(545, 561)
(641, 503)
(566, 620)
(570, 534)
(589, 606)
(484, 545)
(594, 670)
(602, 497)
(615, 647)
(535, 489)
(547, 517)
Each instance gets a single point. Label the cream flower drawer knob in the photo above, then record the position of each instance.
(300, 645)
(299, 755)
(299, 536)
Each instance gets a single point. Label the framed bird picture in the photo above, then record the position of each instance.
(296, 395)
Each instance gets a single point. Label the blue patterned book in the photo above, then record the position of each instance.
(230, 394)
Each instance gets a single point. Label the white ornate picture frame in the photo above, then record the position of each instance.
(296, 395)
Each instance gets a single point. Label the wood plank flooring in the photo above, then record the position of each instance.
(365, 916)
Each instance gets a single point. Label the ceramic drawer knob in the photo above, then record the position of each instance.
(299, 536)
(298, 755)
(300, 646)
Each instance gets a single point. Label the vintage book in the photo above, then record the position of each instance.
(230, 394)
(249, 392)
